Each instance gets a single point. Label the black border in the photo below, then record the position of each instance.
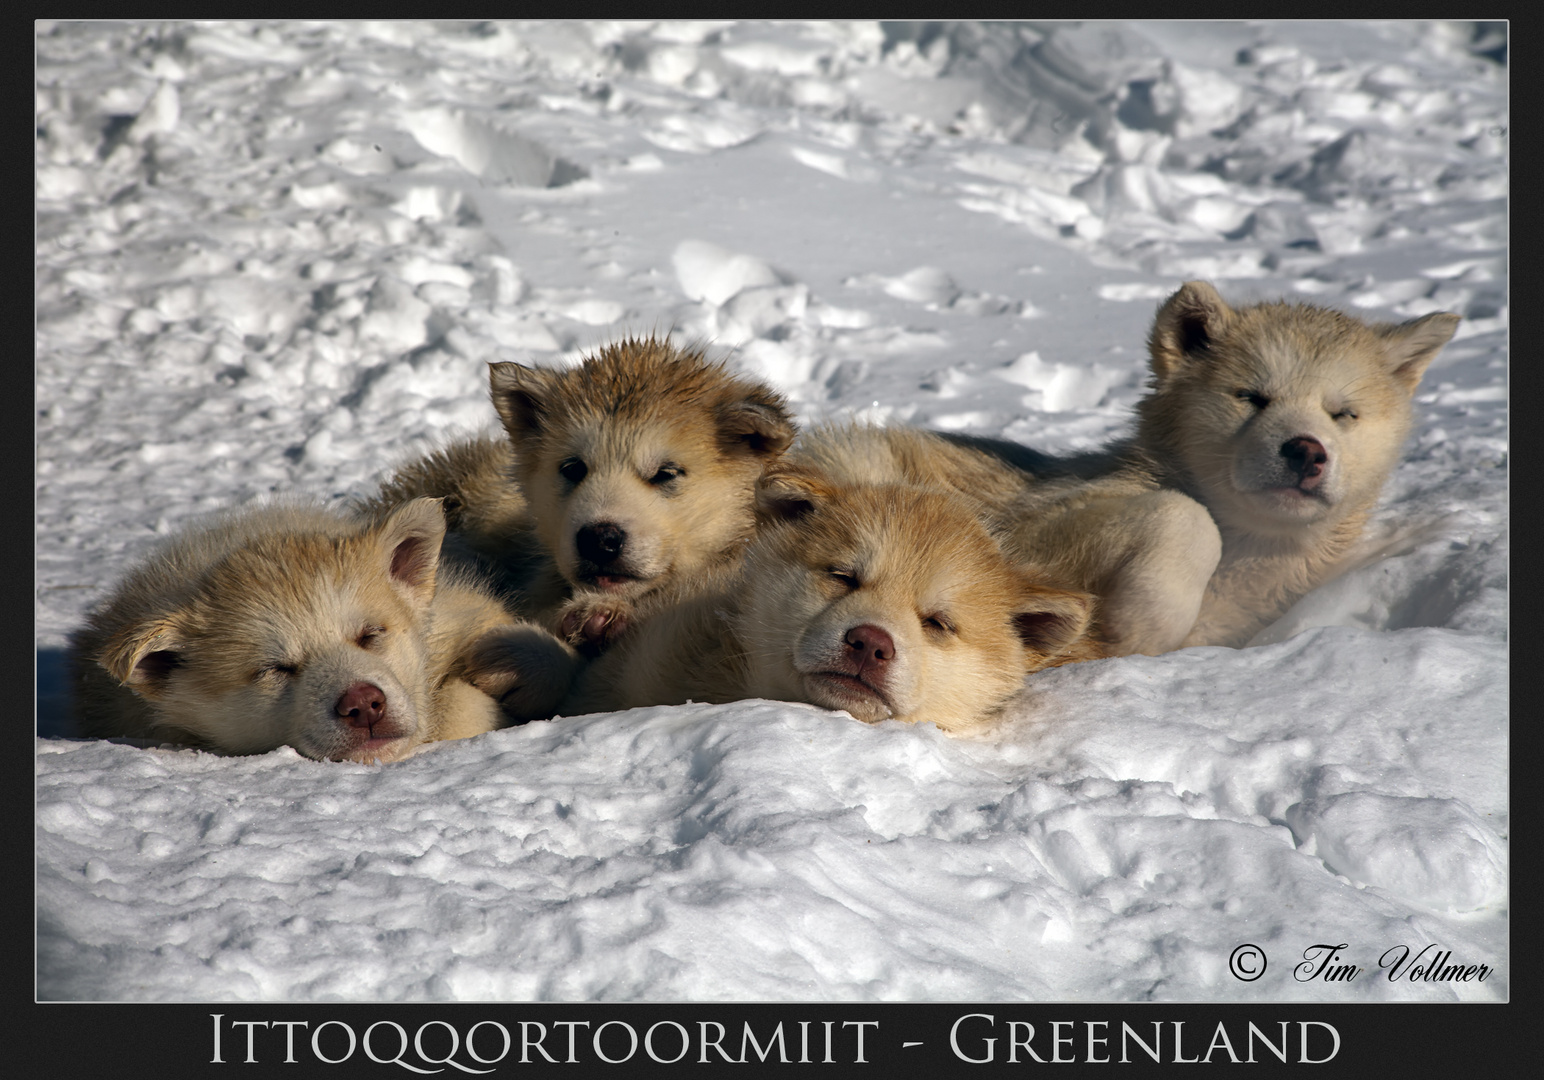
(69, 1040)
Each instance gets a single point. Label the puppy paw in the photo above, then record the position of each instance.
(591, 625)
(524, 668)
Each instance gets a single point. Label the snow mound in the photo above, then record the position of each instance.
(1436, 852)
(485, 151)
(715, 274)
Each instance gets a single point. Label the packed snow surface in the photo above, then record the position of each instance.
(277, 257)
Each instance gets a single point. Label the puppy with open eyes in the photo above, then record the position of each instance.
(888, 601)
(617, 478)
(292, 625)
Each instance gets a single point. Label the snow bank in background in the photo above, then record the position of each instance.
(278, 256)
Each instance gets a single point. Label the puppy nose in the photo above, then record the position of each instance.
(1306, 456)
(600, 543)
(362, 705)
(873, 647)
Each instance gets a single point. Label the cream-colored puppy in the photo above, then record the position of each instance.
(292, 625)
(1260, 451)
(1285, 421)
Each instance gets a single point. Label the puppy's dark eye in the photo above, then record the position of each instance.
(1347, 413)
(938, 622)
(370, 637)
(845, 576)
(1255, 398)
(666, 474)
(573, 470)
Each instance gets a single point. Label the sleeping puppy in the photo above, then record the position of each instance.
(293, 625)
(887, 601)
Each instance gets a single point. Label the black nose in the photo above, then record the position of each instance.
(600, 543)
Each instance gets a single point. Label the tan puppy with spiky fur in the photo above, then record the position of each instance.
(888, 601)
(1268, 434)
(619, 476)
(291, 625)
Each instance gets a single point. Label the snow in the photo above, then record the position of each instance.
(276, 257)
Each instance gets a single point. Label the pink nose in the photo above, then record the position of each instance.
(1307, 457)
(362, 705)
(872, 647)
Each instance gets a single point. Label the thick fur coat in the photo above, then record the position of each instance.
(890, 601)
(617, 477)
(1260, 450)
(289, 624)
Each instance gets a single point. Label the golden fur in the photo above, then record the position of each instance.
(619, 476)
(890, 601)
(289, 624)
(1132, 547)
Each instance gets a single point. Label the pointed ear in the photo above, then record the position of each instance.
(1412, 346)
(1184, 327)
(522, 397)
(142, 657)
(410, 540)
(1050, 619)
(758, 422)
(788, 493)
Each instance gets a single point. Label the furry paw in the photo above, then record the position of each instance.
(524, 668)
(592, 624)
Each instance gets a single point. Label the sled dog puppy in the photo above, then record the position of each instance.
(1146, 554)
(288, 624)
(1259, 453)
(889, 601)
(619, 476)
(1285, 420)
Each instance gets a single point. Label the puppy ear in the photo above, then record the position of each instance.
(1051, 619)
(142, 657)
(522, 396)
(758, 422)
(788, 493)
(1185, 326)
(409, 542)
(1413, 345)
